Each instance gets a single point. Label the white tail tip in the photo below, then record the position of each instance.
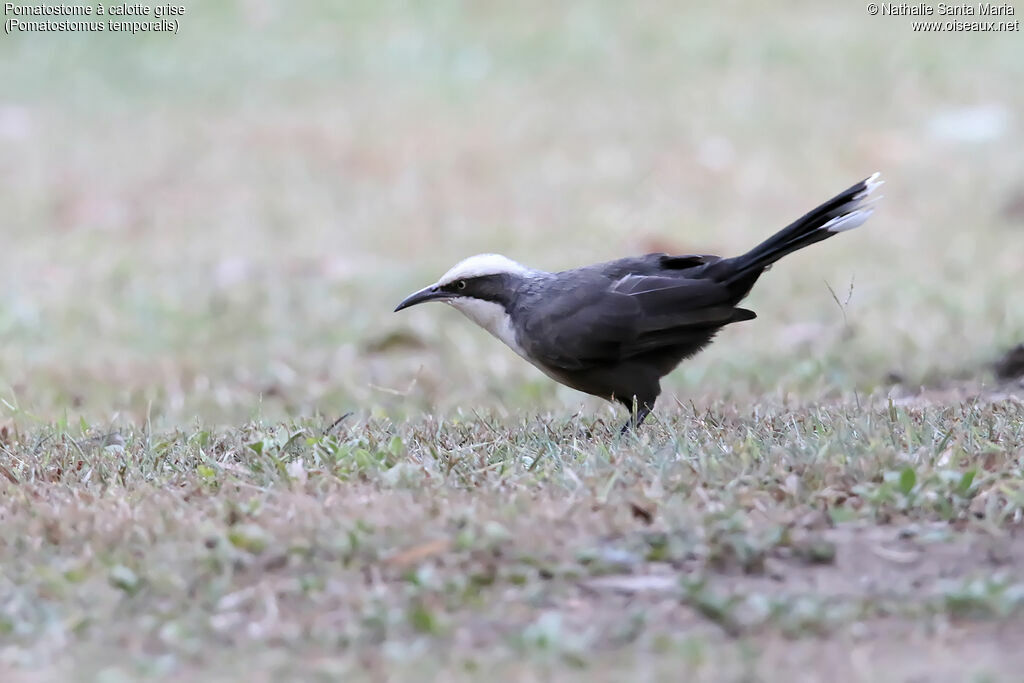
(848, 221)
(857, 210)
(871, 184)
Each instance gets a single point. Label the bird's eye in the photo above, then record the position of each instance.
(460, 284)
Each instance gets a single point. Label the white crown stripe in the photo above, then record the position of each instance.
(482, 264)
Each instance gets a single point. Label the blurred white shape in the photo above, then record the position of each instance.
(716, 153)
(983, 123)
(15, 123)
(231, 271)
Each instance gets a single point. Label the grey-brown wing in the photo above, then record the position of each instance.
(650, 264)
(594, 323)
(677, 311)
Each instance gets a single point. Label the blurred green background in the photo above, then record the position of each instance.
(216, 224)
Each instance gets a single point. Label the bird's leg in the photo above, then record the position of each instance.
(639, 411)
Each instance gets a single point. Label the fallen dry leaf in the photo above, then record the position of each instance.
(418, 553)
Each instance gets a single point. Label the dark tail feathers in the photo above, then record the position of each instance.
(846, 211)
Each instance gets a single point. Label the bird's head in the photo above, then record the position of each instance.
(482, 278)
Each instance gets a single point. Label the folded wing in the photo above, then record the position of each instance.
(596, 322)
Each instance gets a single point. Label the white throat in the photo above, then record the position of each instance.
(492, 317)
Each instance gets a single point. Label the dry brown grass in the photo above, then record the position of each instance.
(718, 542)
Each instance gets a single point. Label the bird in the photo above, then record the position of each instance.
(614, 329)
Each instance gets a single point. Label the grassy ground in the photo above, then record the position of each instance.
(203, 237)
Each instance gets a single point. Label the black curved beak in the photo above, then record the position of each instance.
(431, 293)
